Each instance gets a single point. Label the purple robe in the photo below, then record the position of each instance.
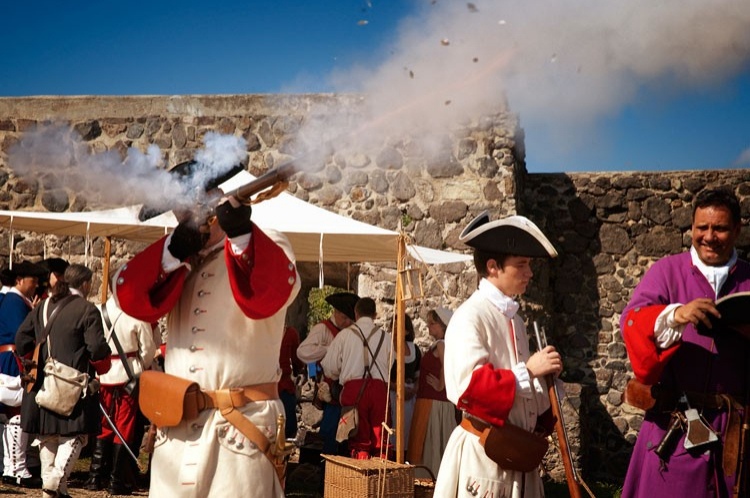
(701, 364)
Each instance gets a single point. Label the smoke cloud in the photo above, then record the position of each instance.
(563, 65)
(57, 157)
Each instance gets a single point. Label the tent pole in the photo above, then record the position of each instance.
(400, 349)
(105, 267)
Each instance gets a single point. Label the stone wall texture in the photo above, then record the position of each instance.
(608, 227)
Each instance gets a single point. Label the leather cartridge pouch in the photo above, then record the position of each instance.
(509, 446)
(166, 400)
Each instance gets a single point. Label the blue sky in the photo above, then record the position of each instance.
(597, 88)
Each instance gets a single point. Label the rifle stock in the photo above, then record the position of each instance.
(269, 179)
(571, 475)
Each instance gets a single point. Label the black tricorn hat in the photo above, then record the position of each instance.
(54, 265)
(7, 277)
(515, 235)
(212, 180)
(27, 269)
(193, 170)
(344, 302)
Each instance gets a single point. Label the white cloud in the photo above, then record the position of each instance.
(743, 159)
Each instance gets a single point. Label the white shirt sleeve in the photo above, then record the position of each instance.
(523, 380)
(666, 330)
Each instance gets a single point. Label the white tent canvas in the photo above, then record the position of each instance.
(316, 234)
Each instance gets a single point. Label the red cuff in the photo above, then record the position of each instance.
(102, 366)
(647, 359)
(262, 277)
(490, 394)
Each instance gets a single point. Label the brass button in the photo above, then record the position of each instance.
(630, 323)
(193, 348)
(197, 329)
(193, 369)
(291, 280)
(120, 280)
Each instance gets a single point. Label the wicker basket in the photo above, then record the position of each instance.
(424, 488)
(375, 478)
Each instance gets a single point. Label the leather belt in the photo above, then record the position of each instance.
(474, 426)
(227, 400)
(667, 399)
(240, 396)
(7, 348)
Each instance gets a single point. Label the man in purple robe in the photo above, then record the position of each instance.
(660, 325)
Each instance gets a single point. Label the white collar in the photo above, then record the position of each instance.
(505, 304)
(716, 275)
(14, 290)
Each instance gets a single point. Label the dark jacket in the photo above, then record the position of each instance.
(77, 339)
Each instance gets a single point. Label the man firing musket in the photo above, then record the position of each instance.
(224, 285)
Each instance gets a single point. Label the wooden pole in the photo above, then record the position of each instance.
(400, 349)
(105, 267)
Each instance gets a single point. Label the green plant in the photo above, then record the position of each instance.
(319, 309)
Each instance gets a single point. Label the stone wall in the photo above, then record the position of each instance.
(607, 227)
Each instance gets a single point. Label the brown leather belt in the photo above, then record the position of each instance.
(240, 396)
(227, 400)
(667, 399)
(474, 426)
(7, 348)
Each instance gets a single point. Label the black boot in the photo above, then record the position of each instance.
(101, 466)
(123, 476)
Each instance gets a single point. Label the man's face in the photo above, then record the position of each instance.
(714, 234)
(514, 276)
(340, 319)
(27, 286)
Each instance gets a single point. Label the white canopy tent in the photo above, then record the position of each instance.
(316, 234)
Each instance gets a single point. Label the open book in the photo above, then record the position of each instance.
(735, 314)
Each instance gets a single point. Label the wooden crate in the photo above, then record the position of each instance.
(375, 478)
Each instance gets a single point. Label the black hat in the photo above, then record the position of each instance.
(515, 235)
(7, 277)
(27, 269)
(194, 169)
(54, 265)
(344, 302)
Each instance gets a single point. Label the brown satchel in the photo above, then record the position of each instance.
(166, 399)
(509, 446)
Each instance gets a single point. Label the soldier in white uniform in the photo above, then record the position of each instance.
(226, 298)
(489, 373)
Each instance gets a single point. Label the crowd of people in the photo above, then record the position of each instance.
(222, 396)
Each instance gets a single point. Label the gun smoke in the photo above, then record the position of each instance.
(562, 65)
(55, 156)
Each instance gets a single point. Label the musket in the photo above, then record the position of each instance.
(277, 177)
(119, 435)
(266, 180)
(571, 474)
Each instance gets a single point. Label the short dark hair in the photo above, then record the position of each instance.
(75, 276)
(365, 307)
(719, 197)
(481, 258)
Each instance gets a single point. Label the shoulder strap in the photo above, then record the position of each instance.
(373, 356)
(118, 346)
(47, 321)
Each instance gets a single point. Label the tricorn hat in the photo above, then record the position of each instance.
(27, 269)
(197, 174)
(444, 314)
(515, 235)
(197, 171)
(54, 265)
(344, 302)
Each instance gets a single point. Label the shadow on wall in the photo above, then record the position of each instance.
(574, 292)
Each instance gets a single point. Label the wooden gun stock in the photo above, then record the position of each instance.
(571, 475)
(269, 179)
